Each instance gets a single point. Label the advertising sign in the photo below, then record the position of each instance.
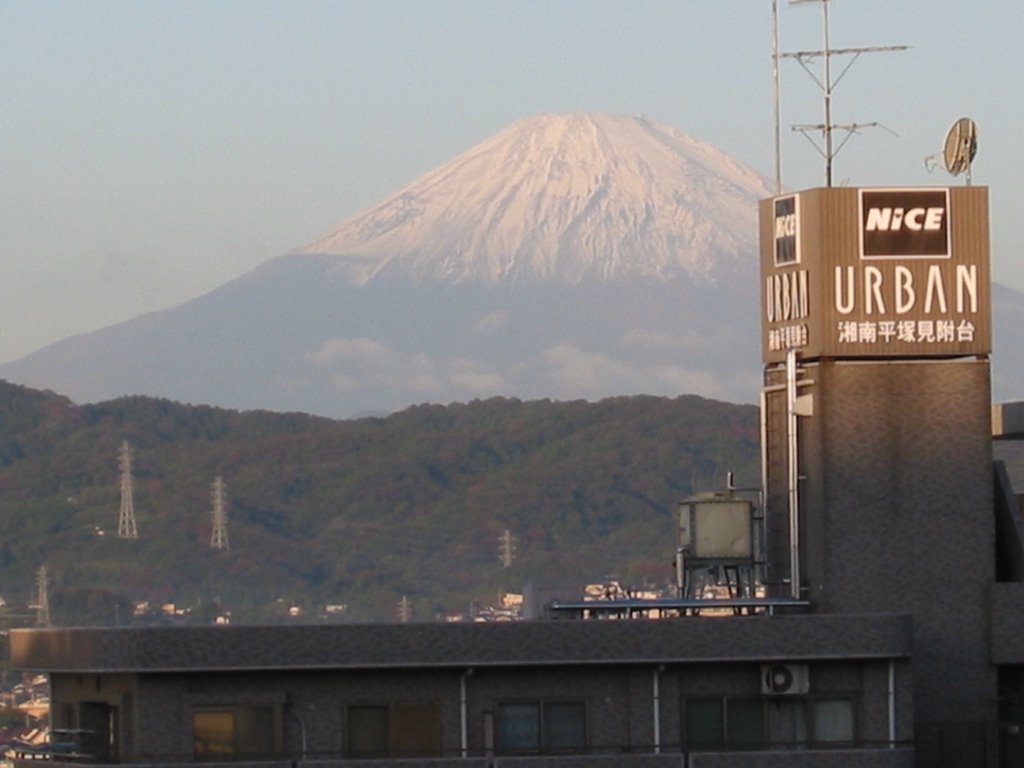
(853, 273)
(787, 242)
(904, 223)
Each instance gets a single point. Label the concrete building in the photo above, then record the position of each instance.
(890, 633)
(571, 691)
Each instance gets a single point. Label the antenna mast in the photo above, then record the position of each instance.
(219, 535)
(827, 149)
(126, 521)
(776, 100)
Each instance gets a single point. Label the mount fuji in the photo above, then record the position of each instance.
(564, 199)
(567, 257)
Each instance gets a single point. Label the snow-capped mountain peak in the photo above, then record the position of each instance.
(561, 197)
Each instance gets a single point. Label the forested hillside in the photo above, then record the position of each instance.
(357, 512)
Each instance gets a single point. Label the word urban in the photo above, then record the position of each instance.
(786, 296)
(876, 292)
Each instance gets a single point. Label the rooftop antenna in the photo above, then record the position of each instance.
(219, 535)
(776, 99)
(827, 148)
(126, 521)
(959, 149)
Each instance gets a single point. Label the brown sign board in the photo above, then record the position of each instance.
(875, 273)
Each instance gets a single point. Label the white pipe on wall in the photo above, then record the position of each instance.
(794, 475)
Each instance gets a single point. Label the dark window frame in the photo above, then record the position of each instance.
(543, 744)
(726, 735)
(392, 726)
(803, 712)
(241, 745)
(354, 710)
(811, 701)
(207, 749)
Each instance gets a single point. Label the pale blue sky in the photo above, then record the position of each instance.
(150, 151)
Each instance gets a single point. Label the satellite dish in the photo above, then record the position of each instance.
(961, 146)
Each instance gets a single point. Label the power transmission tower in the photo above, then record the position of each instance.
(42, 598)
(219, 535)
(126, 521)
(506, 548)
(404, 610)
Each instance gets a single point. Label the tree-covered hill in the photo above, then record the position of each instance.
(357, 512)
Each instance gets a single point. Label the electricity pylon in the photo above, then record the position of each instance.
(219, 534)
(126, 521)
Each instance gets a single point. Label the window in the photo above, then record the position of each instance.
(101, 730)
(565, 726)
(368, 731)
(239, 730)
(213, 732)
(542, 727)
(744, 722)
(831, 720)
(719, 722)
(705, 723)
(398, 729)
(817, 720)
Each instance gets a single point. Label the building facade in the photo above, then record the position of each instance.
(699, 692)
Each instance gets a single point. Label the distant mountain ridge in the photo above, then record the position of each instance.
(358, 512)
(577, 256)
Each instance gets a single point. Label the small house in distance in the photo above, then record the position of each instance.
(886, 626)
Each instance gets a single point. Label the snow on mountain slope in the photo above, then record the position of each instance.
(562, 198)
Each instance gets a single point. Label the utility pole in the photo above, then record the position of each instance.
(126, 521)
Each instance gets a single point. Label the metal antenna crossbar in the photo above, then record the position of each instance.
(827, 83)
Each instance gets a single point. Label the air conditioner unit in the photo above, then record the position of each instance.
(784, 679)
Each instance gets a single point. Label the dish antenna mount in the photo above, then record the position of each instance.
(961, 147)
(959, 150)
